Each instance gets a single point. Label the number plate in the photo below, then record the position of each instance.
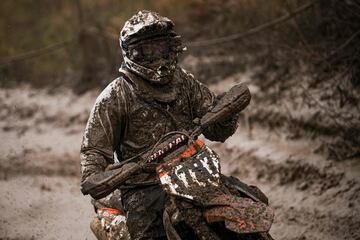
(189, 177)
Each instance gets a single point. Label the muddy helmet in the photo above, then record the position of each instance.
(150, 46)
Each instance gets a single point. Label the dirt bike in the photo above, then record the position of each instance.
(202, 202)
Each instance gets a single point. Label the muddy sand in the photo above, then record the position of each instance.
(313, 197)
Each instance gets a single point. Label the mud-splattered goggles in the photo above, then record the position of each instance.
(156, 48)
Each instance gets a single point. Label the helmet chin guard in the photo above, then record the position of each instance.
(162, 75)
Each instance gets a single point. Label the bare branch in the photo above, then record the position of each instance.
(251, 31)
(35, 53)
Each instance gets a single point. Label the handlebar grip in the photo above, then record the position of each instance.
(234, 101)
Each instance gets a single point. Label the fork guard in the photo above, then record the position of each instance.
(241, 215)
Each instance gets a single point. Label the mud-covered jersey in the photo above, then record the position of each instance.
(131, 115)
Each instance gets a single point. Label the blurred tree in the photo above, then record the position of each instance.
(93, 57)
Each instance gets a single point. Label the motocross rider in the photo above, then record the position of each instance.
(152, 96)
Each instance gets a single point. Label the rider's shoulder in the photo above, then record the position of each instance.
(188, 78)
(185, 74)
(113, 90)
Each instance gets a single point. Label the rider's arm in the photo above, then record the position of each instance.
(203, 100)
(102, 135)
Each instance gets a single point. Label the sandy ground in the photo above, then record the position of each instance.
(314, 198)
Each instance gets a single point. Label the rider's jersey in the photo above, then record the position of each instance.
(131, 115)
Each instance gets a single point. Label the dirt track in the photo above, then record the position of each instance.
(314, 198)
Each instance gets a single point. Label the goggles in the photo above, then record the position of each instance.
(155, 49)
